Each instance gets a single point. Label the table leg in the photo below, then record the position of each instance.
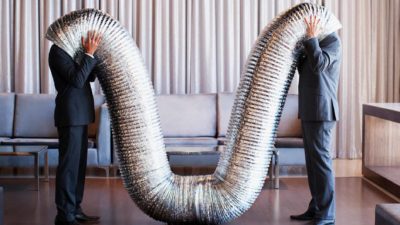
(37, 170)
(46, 165)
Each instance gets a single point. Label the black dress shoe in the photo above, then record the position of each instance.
(82, 217)
(324, 222)
(60, 222)
(305, 216)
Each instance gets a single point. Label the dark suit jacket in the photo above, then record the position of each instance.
(319, 76)
(74, 101)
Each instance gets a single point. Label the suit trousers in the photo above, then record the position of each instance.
(317, 142)
(71, 170)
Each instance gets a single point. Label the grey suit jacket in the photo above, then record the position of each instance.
(319, 76)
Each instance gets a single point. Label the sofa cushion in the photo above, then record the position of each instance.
(289, 142)
(195, 150)
(92, 159)
(50, 142)
(34, 116)
(188, 115)
(279, 142)
(3, 139)
(7, 101)
(291, 157)
(289, 127)
(196, 141)
(92, 128)
(37, 110)
(224, 107)
(6, 149)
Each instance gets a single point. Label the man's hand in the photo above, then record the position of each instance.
(92, 42)
(313, 27)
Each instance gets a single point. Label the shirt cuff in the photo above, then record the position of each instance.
(90, 55)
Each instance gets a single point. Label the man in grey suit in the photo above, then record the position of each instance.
(318, 110)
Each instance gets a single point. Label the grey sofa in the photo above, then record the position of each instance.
(27, 119)
(194, 129)
(194, 124)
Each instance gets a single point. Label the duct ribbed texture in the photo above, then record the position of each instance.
(243, 166)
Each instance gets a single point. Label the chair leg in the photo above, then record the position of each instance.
(271, 171)
(276, 167)
(115, 170)
(106, 169)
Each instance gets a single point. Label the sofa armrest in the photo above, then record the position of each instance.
(103, 137)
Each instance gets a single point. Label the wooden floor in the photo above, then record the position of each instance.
(356, 200)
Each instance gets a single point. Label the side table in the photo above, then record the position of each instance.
(28, 150)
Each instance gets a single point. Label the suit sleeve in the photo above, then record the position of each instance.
(92, 76)
(71, 72)
(321, 57)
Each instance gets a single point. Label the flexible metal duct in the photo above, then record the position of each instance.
(242, 169)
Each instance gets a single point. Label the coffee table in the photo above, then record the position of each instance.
(273, 170)
(28, 150)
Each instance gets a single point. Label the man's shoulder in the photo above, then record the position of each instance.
(332, 44)
(54, 49)
(330, 39)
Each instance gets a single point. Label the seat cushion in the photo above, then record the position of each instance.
(3, 139)
(224, 107)
(192, 150)
(92, 157)
(195, 141)
(7, 101)
(188, 115)
(50, 142)
(291, 157)
(289, 142)
(92, 128)
(6, 149)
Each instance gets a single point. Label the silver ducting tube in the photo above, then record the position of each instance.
(242, 169)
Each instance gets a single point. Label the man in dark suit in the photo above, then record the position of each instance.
(318, 111)
(74, 111)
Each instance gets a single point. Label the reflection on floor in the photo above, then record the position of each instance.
(347, 168)
(356, 200)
